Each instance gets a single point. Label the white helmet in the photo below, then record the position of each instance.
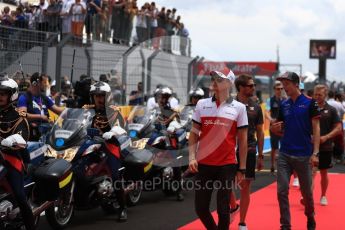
(166, 91)
(198, 92)
(101, 88)
(157, 91)
(9, 85)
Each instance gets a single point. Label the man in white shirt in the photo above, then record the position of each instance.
(336, 104)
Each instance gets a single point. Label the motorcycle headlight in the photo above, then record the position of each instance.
(67, 154)
(140, 144)
(133, 134)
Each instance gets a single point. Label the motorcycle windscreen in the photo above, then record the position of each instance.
(70, 128)
(139, 118)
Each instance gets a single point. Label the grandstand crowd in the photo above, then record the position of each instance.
(115, 21)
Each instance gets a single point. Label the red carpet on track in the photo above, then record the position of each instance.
(264, 209)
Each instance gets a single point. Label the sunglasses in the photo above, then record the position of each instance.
(250, 86)
(217, 79)
(279, 88)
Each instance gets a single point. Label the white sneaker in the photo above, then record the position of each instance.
(295, 182)
(323, 201)
(241, 227)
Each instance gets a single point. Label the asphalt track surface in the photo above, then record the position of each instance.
(157, 211)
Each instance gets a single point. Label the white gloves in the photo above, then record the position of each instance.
(12, 140)
(173, 126)
(115, 131)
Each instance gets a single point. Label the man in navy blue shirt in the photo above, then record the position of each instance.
(272, 113)
(136, 96)
(298, 121)
(36, 106)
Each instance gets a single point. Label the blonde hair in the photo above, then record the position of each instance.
(320, 87)
(277, 83)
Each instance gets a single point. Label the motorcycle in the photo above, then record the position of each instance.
(48, 186)
(72, 139)
(154, 154)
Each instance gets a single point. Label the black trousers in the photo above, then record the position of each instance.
(211, 178)
(16, 181)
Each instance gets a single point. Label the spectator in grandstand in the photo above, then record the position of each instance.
(169, 25)
(153, 14)
(28, 14)
(272, 113)
(117, 18)
(130, 11)
(19, 18)
(66, 17)
(330, 127)
(105, 16)
(177, 24)
(298, 151)
(184, 34)
(52, 14)
(36, 105)
(93, 19)
(141, 27)
(78, 12)
(6, 18)
(39, 17)
(136, 96)
(160, 31)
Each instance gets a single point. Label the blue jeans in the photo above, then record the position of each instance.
(286, 165)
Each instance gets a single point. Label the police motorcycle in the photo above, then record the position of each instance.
(48, 186)
(152, 162)
(72, 139)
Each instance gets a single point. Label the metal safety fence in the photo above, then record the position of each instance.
(26, 51)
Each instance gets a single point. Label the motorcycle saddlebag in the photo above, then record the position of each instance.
(51, 177)
(137, 163)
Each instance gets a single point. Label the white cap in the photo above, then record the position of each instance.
(227, 74)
